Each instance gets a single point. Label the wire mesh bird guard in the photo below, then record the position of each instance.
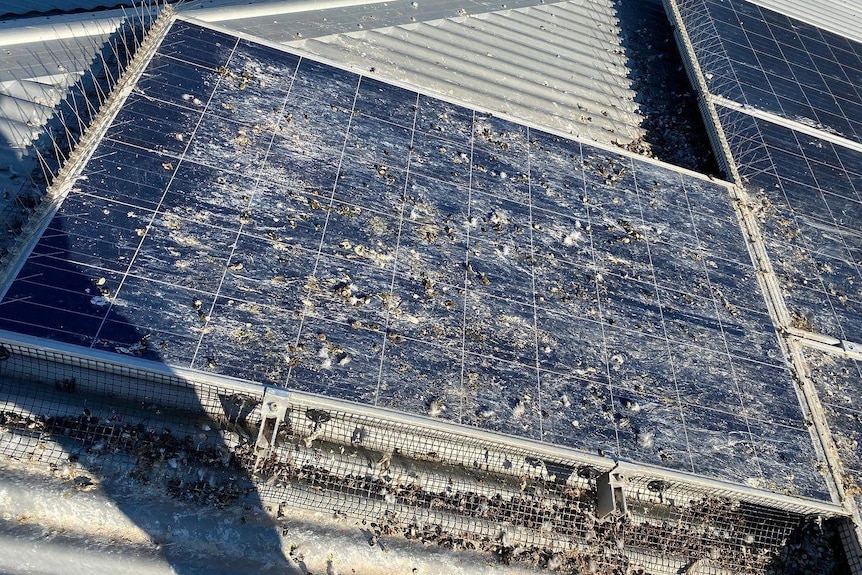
(211, 441)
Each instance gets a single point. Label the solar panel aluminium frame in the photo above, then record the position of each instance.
(34, 354)
(704, 99)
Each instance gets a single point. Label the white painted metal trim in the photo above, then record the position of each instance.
(821, 134)
(842, 17)
(217, 13)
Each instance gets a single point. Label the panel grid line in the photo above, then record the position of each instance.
(733, 369)
(397, 247)
(540, 410)
(239, 231)
(671, 363)
(605, 352)
(467, 269)
(164, 193)
(303, 313)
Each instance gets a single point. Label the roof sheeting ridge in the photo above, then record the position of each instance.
(842, 17)
(558, 65)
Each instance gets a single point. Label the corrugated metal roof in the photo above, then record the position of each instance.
(280, 20)
(560, 65)
(843, 17)
(39, 61)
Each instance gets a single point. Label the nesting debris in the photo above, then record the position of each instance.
(675, 132)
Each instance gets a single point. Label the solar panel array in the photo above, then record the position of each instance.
(266, 216)
(811, 193)
(763, 59)
(808, 171)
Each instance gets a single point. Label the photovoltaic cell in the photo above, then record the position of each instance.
(812, 191)
(276, 219)
(763, 59)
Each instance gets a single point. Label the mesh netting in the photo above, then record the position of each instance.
(199, 441)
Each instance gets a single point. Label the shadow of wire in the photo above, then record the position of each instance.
(152, 449)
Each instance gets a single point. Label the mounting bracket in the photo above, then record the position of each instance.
(611, 498)
(274, 408)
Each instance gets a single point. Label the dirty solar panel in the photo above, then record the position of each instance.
(838, 381)
(768, 61)
(812, 195)
(269, 217)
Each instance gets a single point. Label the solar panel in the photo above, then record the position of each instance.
(763, 59)
(811, 225)
(280, 220)
(838, 381)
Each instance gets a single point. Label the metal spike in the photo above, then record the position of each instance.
(133, 29)
(91, 109)
(46, 173)
(81, 125)
(117, 59)
(108, 77)
(100, 93)
(56, 149)
(70, 138)
(124, 29)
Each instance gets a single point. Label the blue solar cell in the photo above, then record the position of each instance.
(90, 242)
(429, 311)
(577, 411)
(265, 332)
(796, 55)
(356, 378)
(156, 126)
(414, 375)
(198, 45)
(172, 252)
(313, 127)
(319, 82)
(225, 203)
(663, 422)
(499, 400)
(386, 102)
(127, 174)
(176, 82)
(48, 321)
(444, 120)
(53, 287)
(727, 435)
(272, 274)
(776, 447)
